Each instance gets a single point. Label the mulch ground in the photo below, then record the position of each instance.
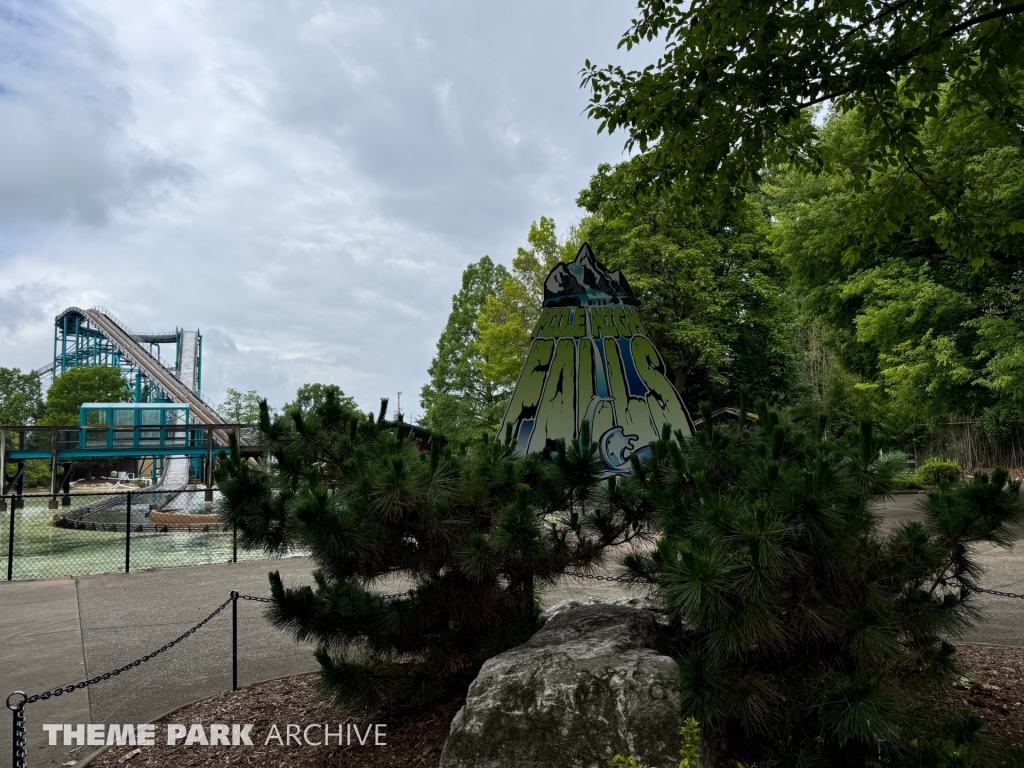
(411, 742)
(993, 690)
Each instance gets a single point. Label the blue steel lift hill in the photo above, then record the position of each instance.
(169, 423)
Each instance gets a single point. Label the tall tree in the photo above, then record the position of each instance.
(509, 316)
(730, 97)
(932, 335)
(240, 407)
(21, 399)
(97, 384)
(310, 397)
(460, 402)
(712, 292)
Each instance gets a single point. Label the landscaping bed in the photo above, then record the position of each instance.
(409, 742)
(994, 690)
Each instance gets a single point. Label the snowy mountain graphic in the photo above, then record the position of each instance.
(585, 282)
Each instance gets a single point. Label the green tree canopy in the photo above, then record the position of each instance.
(96, 384)
(931, 334)
(510, 314)
(310, 397)
(21, 399)
(730, 98)
(460, 402)
(241, 407)
(712, 294)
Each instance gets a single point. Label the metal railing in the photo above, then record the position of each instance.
(114, 436)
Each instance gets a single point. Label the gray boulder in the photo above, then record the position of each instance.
(586, 686)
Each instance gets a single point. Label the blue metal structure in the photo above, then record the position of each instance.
(82, 338)
(137, 415)
(169, 420)
(132, 414)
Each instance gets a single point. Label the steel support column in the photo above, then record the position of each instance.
(53, 469)
(208, 496)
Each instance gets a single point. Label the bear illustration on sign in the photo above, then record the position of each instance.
(590, 360)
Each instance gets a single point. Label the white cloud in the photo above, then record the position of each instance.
(304, 182)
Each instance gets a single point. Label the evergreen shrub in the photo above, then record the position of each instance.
(471, 535)
(806, 634)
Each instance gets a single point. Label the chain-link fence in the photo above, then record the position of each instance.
(42, 536)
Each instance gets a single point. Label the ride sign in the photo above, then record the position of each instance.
(590, 359)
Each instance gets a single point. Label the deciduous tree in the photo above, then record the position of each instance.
(931, 334)
(241, 407)
(460, 402)
(732, 95)
(21, 399)
(310, 397)
(508, 317)
(712, 292)
(97, 384)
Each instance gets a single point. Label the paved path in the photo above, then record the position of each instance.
(40, 648)
(54, 632)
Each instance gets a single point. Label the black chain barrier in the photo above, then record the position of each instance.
(18, 707)
(622, 580)
(596, 577)
(1001, 594)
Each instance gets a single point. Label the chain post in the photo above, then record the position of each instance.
(18, 753)
(128, 535)
(234, 640)
(18, 709)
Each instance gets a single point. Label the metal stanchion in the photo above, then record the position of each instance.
(10, 543)
(128, 535)
(18, 729)
(234, 641)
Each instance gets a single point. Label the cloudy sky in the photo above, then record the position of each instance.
(303, 181)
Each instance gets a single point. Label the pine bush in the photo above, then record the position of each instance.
(806, 635)
(478, 531)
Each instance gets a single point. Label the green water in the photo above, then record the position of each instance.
(42, 551)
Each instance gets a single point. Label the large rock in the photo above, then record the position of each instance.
(586, 686)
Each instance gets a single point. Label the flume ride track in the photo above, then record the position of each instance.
(133, 349)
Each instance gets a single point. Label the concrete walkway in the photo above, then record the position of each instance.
(57, 632)
(54, 633)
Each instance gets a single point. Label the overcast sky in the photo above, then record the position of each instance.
(302, 181)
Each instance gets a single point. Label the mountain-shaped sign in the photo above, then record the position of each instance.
(585, 282)
(590, 359)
